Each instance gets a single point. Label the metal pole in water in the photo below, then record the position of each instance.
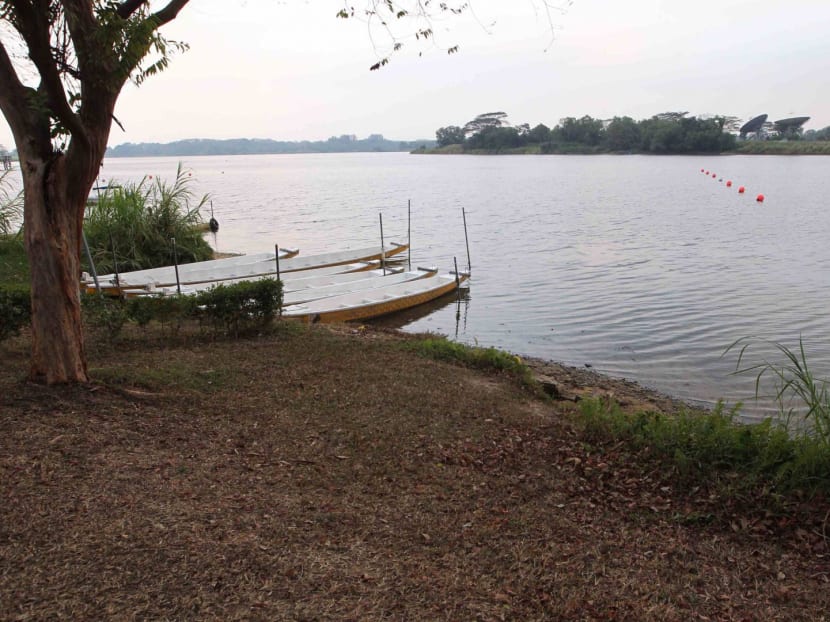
(176, 266)
(457, 280)
(382, 249)
(91, 263)
(466, 240)
(277, 259)
(409, 232)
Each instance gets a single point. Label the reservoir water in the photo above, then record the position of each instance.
(639, 266)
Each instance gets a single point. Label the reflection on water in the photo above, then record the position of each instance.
(458, 302)
(637, 265)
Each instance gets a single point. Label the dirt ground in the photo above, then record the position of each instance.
(331, 475)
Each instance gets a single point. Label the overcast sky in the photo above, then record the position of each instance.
(290, 70)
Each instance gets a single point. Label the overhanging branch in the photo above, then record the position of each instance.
(128, 7)
(168, 13)
(33, 25)
(12, 92)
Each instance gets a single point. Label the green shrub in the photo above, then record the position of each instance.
(164, 310)
(134, 225)
(241, 306)
(233, 309)
(104, 314)
(702, 446)
(11, 207)
(14, 265)
(15, 310)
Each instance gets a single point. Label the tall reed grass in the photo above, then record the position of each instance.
(132, 226)
(802, 399)
(11, 207)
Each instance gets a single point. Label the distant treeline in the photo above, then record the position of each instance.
(670, 132)
(248, 146)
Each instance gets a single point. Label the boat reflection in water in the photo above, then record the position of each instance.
(457, 301)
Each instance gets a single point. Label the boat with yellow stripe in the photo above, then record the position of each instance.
(378, 301)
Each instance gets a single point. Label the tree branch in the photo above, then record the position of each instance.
(13, 94)
(80, 19)
(33, 25)
(128, 7)
(168, 13)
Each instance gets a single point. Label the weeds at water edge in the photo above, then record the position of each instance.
(799, 395)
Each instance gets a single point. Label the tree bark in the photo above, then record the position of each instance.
(52, 227)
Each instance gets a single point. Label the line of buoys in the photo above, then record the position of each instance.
(741, 189)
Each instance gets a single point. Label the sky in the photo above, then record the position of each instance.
(291, 70)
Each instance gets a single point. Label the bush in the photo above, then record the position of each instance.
(241, 306)
(15, 310)
(134, 225)
(233, 309)
(11, 208)
(702, 446)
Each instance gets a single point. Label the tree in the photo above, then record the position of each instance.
(485, 121)
(584, 131)
(450, 135)
(539, 134)
(81, 52)
(623, 134)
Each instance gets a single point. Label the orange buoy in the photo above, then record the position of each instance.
(760, 198)
(741, 190)
(728, 184)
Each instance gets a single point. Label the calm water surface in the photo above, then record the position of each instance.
(639, 266)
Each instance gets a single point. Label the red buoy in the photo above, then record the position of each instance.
(728, 184)
(701, 170)
(714, 174)
(707, 173)
(760, 198)
(741, 190)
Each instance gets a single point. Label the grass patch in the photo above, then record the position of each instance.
(442, 349)
(782, 147)
(172, 377)
(713, 447)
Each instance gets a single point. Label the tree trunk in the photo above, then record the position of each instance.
(52, 227)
